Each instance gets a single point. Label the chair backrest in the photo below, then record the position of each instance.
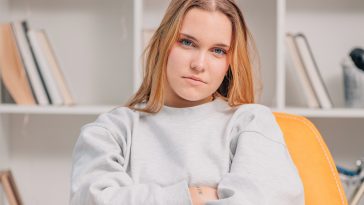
(313, 160)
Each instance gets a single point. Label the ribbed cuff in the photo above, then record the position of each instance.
(177, 194)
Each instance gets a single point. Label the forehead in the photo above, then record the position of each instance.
(206, 26)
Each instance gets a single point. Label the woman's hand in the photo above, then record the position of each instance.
(201, 194)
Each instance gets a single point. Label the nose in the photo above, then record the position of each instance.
(198, 62)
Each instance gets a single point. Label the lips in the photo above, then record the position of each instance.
(194, 78)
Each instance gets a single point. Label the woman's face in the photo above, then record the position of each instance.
(198, 61)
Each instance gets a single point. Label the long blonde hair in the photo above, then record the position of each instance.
(238, 85)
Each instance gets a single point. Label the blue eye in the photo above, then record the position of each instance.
(185, 42)
(219, 51)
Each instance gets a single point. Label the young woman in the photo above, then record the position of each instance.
(192, 134)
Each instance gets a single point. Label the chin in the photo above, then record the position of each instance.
(193, 98)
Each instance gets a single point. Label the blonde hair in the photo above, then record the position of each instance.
(238, 85)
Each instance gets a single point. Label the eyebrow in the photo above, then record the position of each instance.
(193, 38)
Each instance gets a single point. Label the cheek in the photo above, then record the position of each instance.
(177, 60)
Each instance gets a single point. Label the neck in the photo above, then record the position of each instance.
(181, 103)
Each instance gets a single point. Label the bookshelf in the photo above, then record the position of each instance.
(52, 110)
(99, 45)
(332, 35)
(319, 113)
(330, 28)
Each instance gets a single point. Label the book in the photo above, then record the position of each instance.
(29, 62)
(12, 68)
(3, 199)
(26, 29)
(294, 91)
(35, 39)
(5, 95)
(300, 71)
(8, 184)
(56, 70)
(357, 195)
(313, 72)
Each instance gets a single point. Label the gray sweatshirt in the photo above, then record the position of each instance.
(128, 157)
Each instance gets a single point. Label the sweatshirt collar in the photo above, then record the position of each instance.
(195, 112)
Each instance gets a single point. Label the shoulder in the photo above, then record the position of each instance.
(257, 118)
(253, 108)
(118, 121)
(249, 112)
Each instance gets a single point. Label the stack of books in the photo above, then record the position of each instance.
(301, 60)
(8, 187)
(30, 72)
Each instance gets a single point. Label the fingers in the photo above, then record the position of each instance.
(201, 194)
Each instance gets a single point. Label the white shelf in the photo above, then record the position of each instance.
(320, 113)
(66, 110)
(98, 109)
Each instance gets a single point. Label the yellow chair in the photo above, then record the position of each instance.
(313, 160)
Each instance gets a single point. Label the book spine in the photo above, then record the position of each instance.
(29, 64)
(57, 73)
(312, 100)
(26, 29)
(313, 71)
(45, 68)
(12, 68)
(8, 190)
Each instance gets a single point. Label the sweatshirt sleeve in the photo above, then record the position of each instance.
(262, 171)
(100, 160)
